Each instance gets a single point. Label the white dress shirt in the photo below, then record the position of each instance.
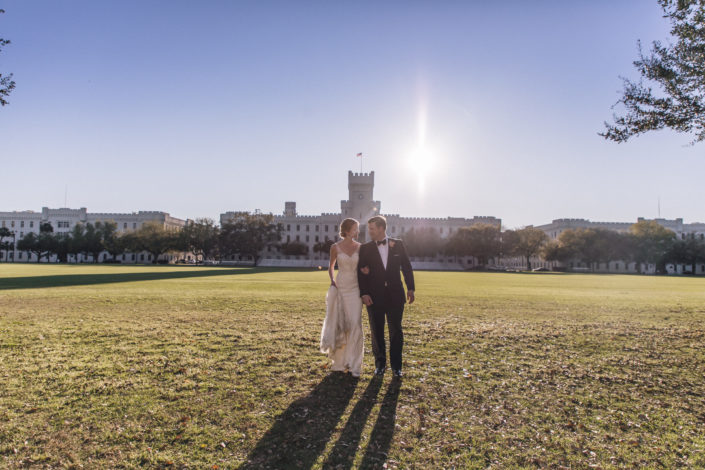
(384, 252)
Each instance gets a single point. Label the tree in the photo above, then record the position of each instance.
(588, 245)
(323, 247)
(525, 242)
(62, 246)
(678, 70)
(480, 241)
(110, 239)
(6, 82)
(422, 241)
(5, 245)
(649, 242)
(93, 240)
(156, 240)
(77, 241)
(294, 248)
(200, 237)
(688, 252)
(30, 244)
(248, 234)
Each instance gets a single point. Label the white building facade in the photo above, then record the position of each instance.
(63, 220)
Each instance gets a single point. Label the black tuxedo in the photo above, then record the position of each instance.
(385, 288)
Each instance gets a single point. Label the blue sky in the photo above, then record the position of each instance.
(461, 108)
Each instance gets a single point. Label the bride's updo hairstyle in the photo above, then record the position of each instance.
(347, 225)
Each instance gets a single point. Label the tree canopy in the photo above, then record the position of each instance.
(677, 70)
(6, 82)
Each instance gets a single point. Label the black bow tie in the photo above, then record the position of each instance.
(382, 242)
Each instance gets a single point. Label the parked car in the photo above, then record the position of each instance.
(540, 269)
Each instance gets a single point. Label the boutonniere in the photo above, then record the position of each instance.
(391, 243)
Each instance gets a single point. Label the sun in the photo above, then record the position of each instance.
(421, 163)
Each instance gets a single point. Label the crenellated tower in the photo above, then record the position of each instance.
(360, 204)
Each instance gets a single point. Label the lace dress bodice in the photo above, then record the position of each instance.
(346, 280)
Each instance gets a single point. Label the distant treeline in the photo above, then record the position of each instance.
(249, 235)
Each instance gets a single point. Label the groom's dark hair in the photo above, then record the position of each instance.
(379, 221)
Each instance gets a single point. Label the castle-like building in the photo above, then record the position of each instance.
(309, 230)
(360, 205)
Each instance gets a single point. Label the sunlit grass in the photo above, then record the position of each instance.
(175, 367)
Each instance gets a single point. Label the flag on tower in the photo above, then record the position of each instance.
(359, 154)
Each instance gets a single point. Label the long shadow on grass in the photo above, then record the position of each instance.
(381, 437)
(343, 454)
(66, 280)
(300, 434)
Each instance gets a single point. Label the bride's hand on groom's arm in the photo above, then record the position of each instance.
(367, 300)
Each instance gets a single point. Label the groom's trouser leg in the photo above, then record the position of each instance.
(376, 317)
(396, 336)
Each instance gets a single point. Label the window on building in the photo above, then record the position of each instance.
(124, 225)
(134, 224)
(682, 236)
(19, 255)
(288, 227)
(12, 224)
(308, 227)
(142, 257)
(316, 238)
(21, 223)
(335, 229)
(326, 229)
(307, 240)
(298, 228)
(31, 224)
(298, 238)
(327, 238)
(317, 228)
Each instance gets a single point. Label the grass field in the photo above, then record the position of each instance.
(198, 367)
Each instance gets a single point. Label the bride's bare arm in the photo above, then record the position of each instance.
(331, 265)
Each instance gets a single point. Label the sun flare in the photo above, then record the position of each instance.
(421, 163)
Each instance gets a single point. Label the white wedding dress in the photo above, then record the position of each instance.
(341, 336)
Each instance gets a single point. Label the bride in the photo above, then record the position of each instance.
(341, 337)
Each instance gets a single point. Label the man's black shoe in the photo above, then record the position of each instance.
(397, 373)
(380, 370)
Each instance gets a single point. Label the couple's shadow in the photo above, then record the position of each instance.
(301, 433)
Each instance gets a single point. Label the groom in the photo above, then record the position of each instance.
(382, 292)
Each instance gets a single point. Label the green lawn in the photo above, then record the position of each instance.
(205, 367)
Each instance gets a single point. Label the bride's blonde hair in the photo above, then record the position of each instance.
(346, 225)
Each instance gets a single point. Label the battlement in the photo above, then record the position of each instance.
(361, 178)
(371, 174)
(307, 217)
(558, 221)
